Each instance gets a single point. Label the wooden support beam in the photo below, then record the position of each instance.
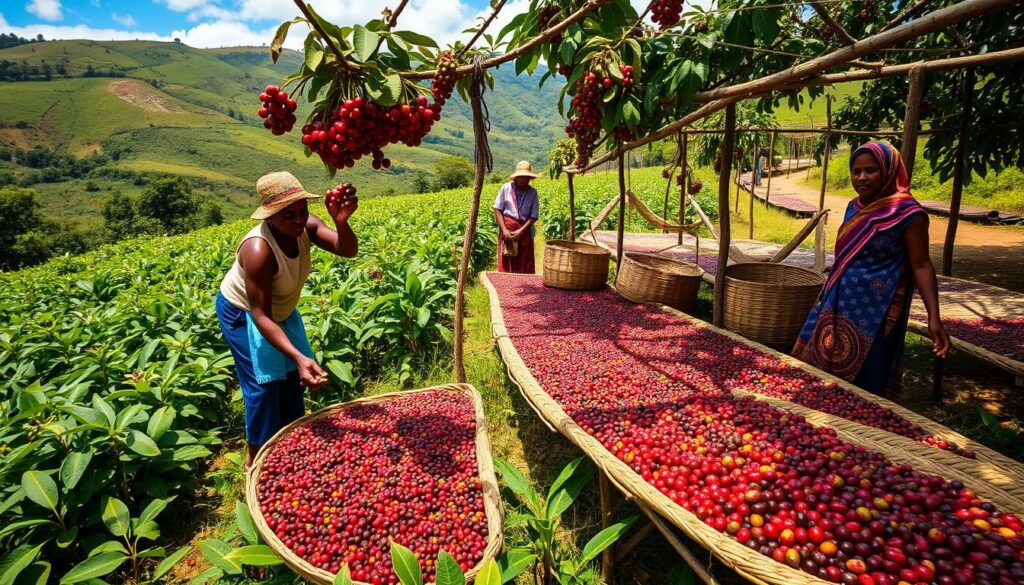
(699, 570)
(572, 209)
(684, 173)
(800, 236)
(724, 227)
(768, 189)
(626, 548)
(959, 170)
(668, 189)
(819, 233)
(753, 185)
(622, 212)
(912, 118)
(607, 519)
(831, 22)
(738, 179)
(703, 216)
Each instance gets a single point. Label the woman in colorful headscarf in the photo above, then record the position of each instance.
(856, 330)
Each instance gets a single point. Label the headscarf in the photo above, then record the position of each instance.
(895, 178)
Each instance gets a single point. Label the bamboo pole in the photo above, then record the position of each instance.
(800, 236)
(622, 212)
(959, 166)
(572, 209)
(664, 209)
(771, 157)
(723, 214)
(819, 232)
(792, 154)
(753, 185)
(912, 118)
(607, 506)
(685, 174)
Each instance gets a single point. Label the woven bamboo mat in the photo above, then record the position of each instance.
(485, 468)
(755, 567)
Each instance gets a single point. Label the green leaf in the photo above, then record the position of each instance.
(116, 516)
(246, 525)
(447, 570)
(13, 527)
(141, 443)
(406, 566)
(681, 574)
(189, 452)
(567, 494)
(101, 405)
(342, 371)
(215, 550)
(35, 574)
(988, 419)
(630, 114)
(109, 546)
(765, 23)
(279, 37)
(515, 561)
(313, 53)
(153, 509)
(564, 475)
(489, 574)
(518, 484)
(68, 537)
(211, 574)
(167, 564)
(391, 90)
(414, 38)
(160, 421)
(604, 539)
(73, 468)
(364, 42)
(31, 399)
(153, 553)
(17, 561)
(92, 567)
(344, 576)
(40, 488)
(257, 555)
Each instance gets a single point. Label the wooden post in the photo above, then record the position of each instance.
(753, 187)
(819, 233)
(723, 214)
(959, 166)
(684, 173)
(480, 134)
(622, 212)
(739, 173)
(572, 210)
(664, 209)
(791, 151)
(771, 155)
(912, 118)
(809, 152)
(607, 506)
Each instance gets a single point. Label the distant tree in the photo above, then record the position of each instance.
(19, 214)
(177, 40)
(172, 203)
(89, 71)
(210, 213)
(39, 37)
(421, 183)
(91, 186)
(452, 172)
(388, 191)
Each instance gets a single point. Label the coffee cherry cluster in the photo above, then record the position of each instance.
(278, 111)
(358, 128)
(623, 134)
(585, 124)
(666, 12)
(547, 18)
(336, 490)
(333, 196)
(655, 394)
(444, 79)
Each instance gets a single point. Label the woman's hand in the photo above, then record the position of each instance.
(940, 339)
(311, 375)
(342, 208)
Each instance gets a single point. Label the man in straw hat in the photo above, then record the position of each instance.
(516, 210)
(257, 300)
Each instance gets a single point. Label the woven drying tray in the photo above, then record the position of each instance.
(575, 265)
(648, 278)
(485, 466)
(769, 302)
(755, 567)
(994, 468)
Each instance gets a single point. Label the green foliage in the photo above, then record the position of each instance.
(172, 203)
(452, 172)
(122, 219)
(19, 214)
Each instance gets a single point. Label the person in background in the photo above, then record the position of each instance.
(515, 211)
(759, 168)
(256, 305)
(856, 329)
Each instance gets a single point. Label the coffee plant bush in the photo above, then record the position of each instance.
(116, 384)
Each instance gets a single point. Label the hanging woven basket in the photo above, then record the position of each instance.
(575, 265)
(647, 278)
(769, 302)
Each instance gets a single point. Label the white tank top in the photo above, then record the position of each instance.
(288, 280)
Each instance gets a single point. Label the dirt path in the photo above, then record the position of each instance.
(990, 254)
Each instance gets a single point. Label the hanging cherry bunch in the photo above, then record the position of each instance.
(445, 77)
(666, 12)
(585, 124)
(333, 196)
(358, 128)
(548, 17)
(278, 111)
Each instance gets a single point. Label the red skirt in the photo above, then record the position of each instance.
(521, 263)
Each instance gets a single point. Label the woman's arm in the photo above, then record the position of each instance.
(916, 241)
(500, 220)
(524, 228)
(340, 241)
(259, 265)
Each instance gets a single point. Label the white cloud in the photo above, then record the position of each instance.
(212, 12)
(230, 34)
(45, 9)
(123, 19)
(182, 5)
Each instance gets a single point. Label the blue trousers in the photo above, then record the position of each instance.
(270, 406)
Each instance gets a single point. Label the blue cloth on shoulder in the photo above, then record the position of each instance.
(268, 363)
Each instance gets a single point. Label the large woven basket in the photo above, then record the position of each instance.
(485, 466)
(575, 265)
(769, 302)
(647, 278)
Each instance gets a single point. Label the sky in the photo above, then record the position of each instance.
(222, 23)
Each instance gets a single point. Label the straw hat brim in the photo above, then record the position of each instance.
(265, 211)
(523, 174)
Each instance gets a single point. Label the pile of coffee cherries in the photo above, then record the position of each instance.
(656, 395)
(278, 111)
(338, 489)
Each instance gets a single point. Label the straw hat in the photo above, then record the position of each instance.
(277, 191)
(523, 169)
